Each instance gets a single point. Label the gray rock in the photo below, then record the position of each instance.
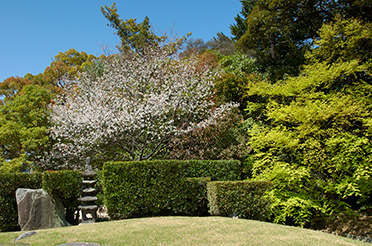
(38, 210)
(26, 234)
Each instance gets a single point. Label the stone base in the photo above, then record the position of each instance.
(88, 213)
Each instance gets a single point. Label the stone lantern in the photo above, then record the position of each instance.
(88, 207)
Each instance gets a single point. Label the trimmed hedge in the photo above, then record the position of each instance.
(9, 183)
(65, 184)
(244, 199)
(156, 188)
(196, 195)
(217, 170)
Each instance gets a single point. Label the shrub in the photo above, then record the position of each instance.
(99, 188)
(217, 170)
(244, 199)
(64, 184)
(196, 195)
(9, 183)
(311, 134)
(67, 186)
(148, 188)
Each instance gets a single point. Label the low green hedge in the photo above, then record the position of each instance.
(244, 199)
(196, 195)
(9, 183)
(155, 188)
(65, 184)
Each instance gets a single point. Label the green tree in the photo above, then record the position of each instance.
(358, 9)
(313, 137)
(240, 27)
(240, 70)
(282, 31)
(193, 47)
(66, 65)
(69, 63)
(344, 40)
(134, 36)
(222, 43)
(24, 127)
(10, 86)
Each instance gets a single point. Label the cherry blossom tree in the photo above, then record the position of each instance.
(134, 107)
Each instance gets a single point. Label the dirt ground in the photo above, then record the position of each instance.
(352, 226)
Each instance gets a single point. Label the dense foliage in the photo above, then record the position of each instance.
(65, 185)
(24, 127)
(280, 32)
(243, 199)
(314, 137)
(65, 65)
(62, 184)
(223, 140)
(196, 190)
(9, 183)
(24, 113)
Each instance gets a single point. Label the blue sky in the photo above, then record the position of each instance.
(34, 31)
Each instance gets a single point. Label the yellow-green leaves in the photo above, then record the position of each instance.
(344, 40)
(312, 136)
(24, 127)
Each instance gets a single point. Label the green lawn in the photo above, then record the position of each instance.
(180, 231)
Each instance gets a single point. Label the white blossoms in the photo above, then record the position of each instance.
(135, 106)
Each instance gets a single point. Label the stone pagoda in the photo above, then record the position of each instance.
(88, 207)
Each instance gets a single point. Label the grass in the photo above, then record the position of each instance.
(180, 231)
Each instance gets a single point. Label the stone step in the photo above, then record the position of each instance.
(89, 182)
(88, 174)
(88, 207)
(88, 199)
(89, 190)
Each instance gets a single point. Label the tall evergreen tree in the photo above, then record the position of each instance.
(134, 36)
(282, 31)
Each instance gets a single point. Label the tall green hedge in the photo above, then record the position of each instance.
(244, 199)
(9, 183)
(148, 188)
(65, 184)
(217, 170)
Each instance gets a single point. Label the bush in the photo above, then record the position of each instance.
(148, 188)
(311, 134)
(67, 186)
(64, 184)
(217, 170)
(9, 183)
(99, 188)
(196, 192)
(244, 199)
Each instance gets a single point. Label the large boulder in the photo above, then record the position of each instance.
(38, 210)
